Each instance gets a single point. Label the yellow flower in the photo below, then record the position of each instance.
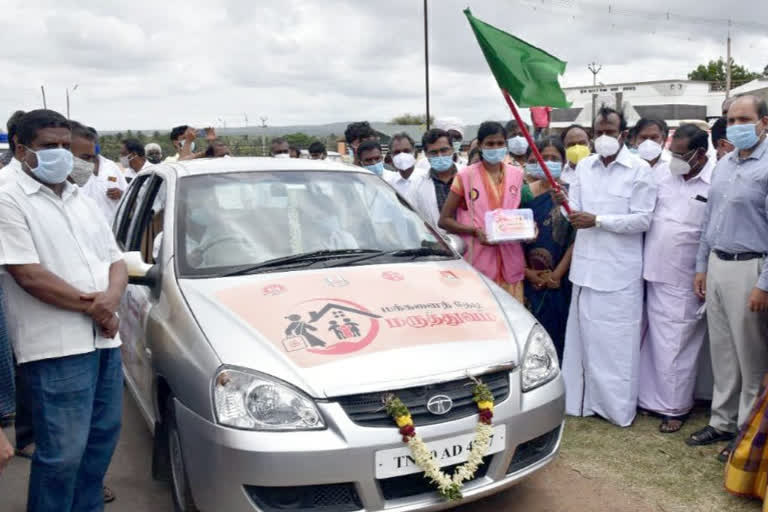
(403, 421)
(485, 404)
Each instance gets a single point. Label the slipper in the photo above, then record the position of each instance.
(665, 427)
(708, 435)
(109, 496)
(725, 453)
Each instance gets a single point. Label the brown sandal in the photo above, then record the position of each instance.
(668, 427)
(109, 496)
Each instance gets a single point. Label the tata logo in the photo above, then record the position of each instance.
(439, 405)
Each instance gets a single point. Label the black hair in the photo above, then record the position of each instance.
(93, 132)
(317, 147)
(719, 130)
(565, 132)
(12, 124)
(210, 151)
(432, 136)
(80, 130)
(606, 111)
(513, 125)
(474, 151)
(277, 140)
(697, 138)
(358, 130)
(35, 120)
(296, 149)
(545, 142)
(401, 136)
(178, 131)
(645, 122)
(135, 147)
(488, 128)
(367, 146)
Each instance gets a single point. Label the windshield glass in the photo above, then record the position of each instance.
(227, 222)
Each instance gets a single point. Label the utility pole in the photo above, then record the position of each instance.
(426, 58)
(246, 119)
(263, 135)
(42, 90)
(728, 65)
(595, 68)
(73, 90)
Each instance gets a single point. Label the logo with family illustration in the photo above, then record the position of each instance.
(330, 326)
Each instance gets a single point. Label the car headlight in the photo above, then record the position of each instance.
(256, 402)
(540, 364)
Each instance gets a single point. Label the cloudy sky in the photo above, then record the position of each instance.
(154, 64)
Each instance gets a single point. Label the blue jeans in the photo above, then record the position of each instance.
(76, 407)
(7, 384)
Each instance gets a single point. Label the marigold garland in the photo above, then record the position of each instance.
(448, 486)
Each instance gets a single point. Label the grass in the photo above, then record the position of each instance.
(661, 468)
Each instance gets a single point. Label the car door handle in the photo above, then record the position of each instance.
(148, 353)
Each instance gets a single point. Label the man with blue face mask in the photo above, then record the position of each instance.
(731, 272)
(63, 283)
(432, 191)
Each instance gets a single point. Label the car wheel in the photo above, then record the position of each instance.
(182, 494)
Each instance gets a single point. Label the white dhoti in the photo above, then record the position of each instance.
(669, 354)
(602, 353)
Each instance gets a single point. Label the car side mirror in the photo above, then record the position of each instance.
(139, 272)
(457, 243)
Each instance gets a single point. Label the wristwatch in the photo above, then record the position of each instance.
(597, 221)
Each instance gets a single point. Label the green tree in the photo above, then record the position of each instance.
(412, 119)
(156, 135)
(301, 140)
(715, 71)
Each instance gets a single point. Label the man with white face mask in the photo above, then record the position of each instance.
(517, 145)
(403, 151)
(676, 331)
(650, 138)
(612, 197)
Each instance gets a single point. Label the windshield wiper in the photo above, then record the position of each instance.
(413, 253)
(306, 258)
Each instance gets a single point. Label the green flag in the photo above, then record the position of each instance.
(527, 73)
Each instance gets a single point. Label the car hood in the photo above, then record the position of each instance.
(347, 330)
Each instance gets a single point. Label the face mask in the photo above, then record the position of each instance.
(633, 150)
(494, 156)
(403, 161)
(517, 145)
(191, 145)
(577, 153)
(125, 161)
(456, 146)
(53, 165)
(743, 136)
(649, 150)
(606, 146)
(283, 155)
(377, 168)
(680, 167)
(82, 171)
(441, 163)
(154, 159)
(351, 152)
(535, 170)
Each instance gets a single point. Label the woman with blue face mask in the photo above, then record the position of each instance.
(485, 186)
(547, 289)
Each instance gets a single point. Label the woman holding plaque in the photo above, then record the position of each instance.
(485, 186)
(547, 289)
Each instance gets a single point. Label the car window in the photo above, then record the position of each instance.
(126, 210)
(225, 221)
(147, 221)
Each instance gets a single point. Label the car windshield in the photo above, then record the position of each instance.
(244, 222)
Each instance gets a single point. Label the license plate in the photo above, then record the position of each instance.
(450, 451)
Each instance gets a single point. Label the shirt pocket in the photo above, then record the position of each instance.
(694, 215)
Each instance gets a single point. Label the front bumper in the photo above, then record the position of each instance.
(225, 465)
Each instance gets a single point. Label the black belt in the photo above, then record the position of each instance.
(740, 256)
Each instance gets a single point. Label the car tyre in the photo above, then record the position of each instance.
(161, 457)
(182, 494)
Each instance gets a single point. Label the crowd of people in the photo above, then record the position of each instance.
(650, 249)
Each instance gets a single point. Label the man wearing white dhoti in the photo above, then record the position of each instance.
(676, 331)
(612, 198)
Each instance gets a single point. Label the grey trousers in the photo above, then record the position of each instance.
(738, 341)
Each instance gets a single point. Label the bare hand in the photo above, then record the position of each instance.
(758, 301)
(481, 236)
(700, 285)
(582, 220)
(114, 193)
(103, 306)
(537, 278)
(6, 451)
(553, 281)
(559, 196)
(111, 327)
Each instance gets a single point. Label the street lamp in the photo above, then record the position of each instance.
(264, 135)
(74, 88)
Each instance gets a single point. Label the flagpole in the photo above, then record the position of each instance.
(555, 185)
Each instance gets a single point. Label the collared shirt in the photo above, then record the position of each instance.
(68, 238)
(568, 174)
(736, 218)
(672, 241)
(110, 176)
(424, 199)
(404, 186)
(622, 195)
(8, 173)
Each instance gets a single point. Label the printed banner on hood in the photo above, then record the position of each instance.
(317, 318)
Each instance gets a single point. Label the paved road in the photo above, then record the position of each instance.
(556, 489)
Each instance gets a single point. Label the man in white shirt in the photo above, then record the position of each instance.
(577, 147)
(64, 278)
(430, 193)
(107, 185)
(612, 198)
(402, 148)
(132, 158)
(676, 329)
(649, 140)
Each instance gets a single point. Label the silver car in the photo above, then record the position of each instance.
(274, 303)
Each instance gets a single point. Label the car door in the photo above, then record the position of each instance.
(139, 229)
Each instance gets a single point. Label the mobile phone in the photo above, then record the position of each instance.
(700, 198)
(201, 133)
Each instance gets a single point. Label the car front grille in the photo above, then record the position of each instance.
(367, 409)
(533, 451)
(316, 498)
(412, 485)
